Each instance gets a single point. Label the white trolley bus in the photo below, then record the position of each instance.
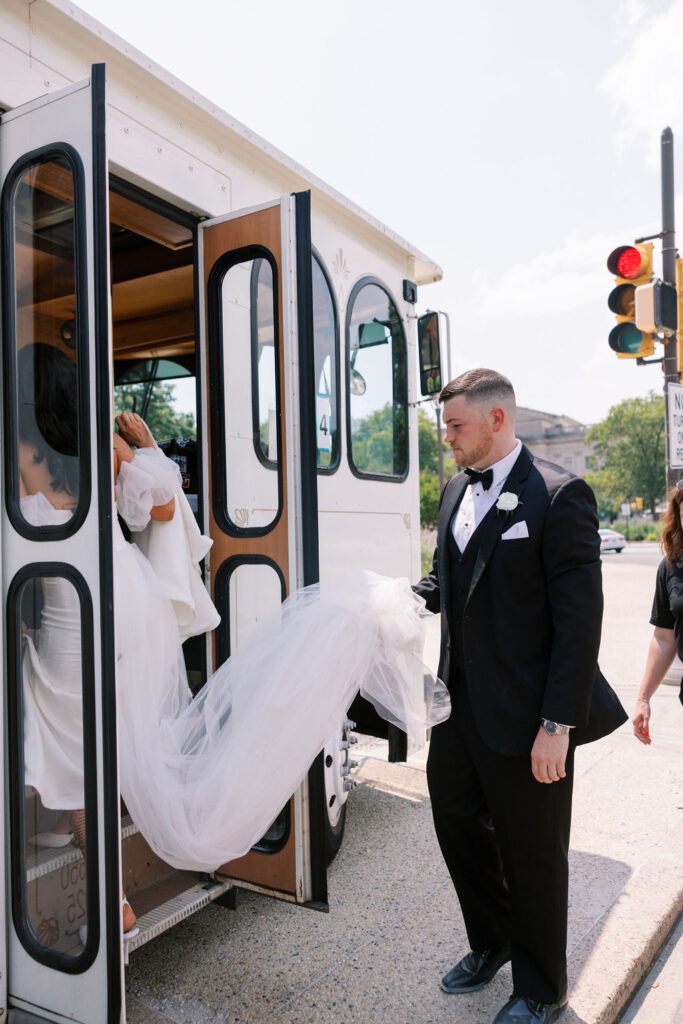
(151, 238)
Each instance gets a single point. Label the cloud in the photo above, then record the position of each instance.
(553, 281)
(643, 85)
(633, 11)
(557, 280)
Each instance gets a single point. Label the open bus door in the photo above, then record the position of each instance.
(260, 477)
(55, 291)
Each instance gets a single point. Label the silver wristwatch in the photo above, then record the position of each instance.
(554, 728)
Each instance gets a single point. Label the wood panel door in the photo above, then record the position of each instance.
(260, 475)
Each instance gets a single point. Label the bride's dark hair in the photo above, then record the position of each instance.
(48, 394)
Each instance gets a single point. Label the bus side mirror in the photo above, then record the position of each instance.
(429, 348)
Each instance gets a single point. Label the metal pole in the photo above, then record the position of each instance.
(448, 346)
(440, 445)
(671, 374)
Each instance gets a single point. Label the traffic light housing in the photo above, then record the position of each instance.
(657, 308)
(632, 267)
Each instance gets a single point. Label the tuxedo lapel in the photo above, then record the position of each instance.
(495, 522)
(451, 499)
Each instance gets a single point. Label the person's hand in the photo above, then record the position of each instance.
(548, 756)
(641, 721)
(134, 430)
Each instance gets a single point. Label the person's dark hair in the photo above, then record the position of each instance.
(48, 395)
(481, 385)
(672, 533)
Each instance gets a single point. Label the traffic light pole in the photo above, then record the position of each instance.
(668, 237)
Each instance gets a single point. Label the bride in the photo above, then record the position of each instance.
(203, 778)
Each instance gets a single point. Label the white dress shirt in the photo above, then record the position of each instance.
(476, 501)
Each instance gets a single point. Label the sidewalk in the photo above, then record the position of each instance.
(394, 925)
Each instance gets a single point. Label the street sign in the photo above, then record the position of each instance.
(675, 412)
(625, 508)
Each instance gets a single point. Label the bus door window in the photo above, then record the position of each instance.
(250, 392)
(45, 359)
(326, 348)
(50, 680)
(376, 384)
(50, 652)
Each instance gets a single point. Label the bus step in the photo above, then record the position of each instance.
(169, 913)
(41, 861)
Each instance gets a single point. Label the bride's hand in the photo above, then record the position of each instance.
(134, 430)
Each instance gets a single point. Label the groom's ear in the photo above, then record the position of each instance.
(498, 418)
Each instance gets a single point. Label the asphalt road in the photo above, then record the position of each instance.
(644, 553)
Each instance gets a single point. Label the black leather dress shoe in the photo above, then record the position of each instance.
(475, 970)
(521, 1010)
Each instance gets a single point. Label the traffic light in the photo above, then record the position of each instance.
(632, 267)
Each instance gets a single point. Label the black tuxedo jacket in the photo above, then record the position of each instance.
(533, 614)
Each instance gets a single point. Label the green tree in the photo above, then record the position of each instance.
(608, 493)
(377, 438)
(429, 469)
(429, 499)
(630, 445)
(427, 443)
(162, 418)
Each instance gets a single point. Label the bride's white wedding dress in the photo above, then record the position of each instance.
(52, 685)
(204, 778)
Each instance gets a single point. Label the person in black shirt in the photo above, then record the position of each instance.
(667, 615)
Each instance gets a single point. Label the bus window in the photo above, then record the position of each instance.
(377, 396)
(43, 350)
(326, 348)
(48, 683)
(264, 392)
(255, 594)
(248, 338)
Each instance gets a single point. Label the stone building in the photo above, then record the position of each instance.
(560, 439)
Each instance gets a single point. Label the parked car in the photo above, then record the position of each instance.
(610, 540)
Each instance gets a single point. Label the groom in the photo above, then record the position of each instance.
(517, 579)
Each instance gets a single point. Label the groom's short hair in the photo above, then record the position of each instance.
(482, 385)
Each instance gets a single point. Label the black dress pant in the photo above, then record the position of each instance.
(505, 839)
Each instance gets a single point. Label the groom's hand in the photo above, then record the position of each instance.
(548, 756)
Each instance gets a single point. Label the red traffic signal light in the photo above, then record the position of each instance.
(632, 267)
(631, 261)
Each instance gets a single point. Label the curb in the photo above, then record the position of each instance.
(610, 961)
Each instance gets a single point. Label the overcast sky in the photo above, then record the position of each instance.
(515, 143)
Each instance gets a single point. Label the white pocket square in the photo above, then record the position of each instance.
(516, 532)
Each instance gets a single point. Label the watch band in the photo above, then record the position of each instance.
(555, 728)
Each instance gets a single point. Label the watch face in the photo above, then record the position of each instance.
(550, 728)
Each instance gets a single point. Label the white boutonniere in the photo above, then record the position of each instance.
(508, 502)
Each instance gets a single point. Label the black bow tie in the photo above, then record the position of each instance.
(485, 478)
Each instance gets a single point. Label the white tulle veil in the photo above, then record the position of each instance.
(204, 778)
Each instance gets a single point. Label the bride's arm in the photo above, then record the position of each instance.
(123, 453)
(135, 431)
